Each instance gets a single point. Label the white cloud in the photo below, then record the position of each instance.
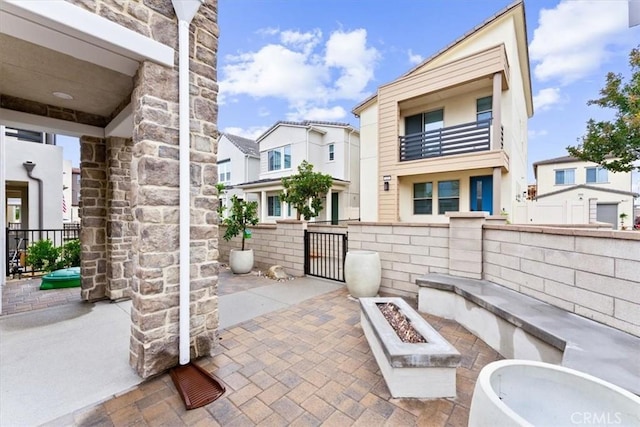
(348, 52)
(303, 70)
(573, 39)
(252, 133)
(330, 114)
(533, 134)
(414, 58)
(304, 41)
(546, 98)
(263, 112)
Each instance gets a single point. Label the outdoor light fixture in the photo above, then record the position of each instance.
(386, 179)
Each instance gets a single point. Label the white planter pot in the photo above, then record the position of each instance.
(362, 273)
(527, 393)
(241, 262)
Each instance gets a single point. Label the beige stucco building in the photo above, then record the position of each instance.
(109, 72)
(451, 134)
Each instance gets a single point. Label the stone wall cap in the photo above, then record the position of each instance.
(467, 214)
(401, 224)
(587, 345)
(562, 231)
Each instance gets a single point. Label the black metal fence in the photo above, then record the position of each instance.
(18, 241)
(324, 254)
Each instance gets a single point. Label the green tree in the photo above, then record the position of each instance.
(305, 190)
(221, 188)
(615, 145)
(241, 215)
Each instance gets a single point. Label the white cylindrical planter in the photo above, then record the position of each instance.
(241, 262)
(362, 273)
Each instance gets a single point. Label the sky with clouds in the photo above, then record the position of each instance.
(297, 60)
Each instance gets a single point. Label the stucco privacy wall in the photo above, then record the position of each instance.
(132, 238)
(595, 274)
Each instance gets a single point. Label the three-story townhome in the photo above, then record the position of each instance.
(332, 149)
(451, 134)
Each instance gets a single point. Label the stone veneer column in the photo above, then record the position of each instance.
(93, 192)
(465, 243)
(118, 224)
(155, 205)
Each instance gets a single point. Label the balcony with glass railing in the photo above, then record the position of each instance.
(447, 141)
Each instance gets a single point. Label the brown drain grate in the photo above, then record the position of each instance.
(196, 386)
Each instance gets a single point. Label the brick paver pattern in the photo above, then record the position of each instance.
(22, 295)
(307, 365)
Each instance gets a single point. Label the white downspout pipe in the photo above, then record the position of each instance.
(185, 11)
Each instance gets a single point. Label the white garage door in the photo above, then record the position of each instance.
(608, 212)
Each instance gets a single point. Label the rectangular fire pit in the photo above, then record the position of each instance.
(424, 370)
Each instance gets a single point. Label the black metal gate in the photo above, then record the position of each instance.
(324, 254)
(17, 242)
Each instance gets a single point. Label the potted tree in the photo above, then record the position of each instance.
(623, 216)
(241, 215)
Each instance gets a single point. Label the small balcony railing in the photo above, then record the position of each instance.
(466, 138)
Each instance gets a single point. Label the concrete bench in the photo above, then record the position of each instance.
(416, 370)
(522, 327)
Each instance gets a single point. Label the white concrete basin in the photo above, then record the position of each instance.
(528, 393)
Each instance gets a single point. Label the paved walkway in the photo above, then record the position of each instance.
(22, 295)
(307, 363)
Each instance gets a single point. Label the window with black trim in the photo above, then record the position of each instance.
(273, 206)
(448, 196)
(484, 109)
(423, 198)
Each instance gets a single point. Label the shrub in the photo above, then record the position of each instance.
(71, 253)
(42, 255)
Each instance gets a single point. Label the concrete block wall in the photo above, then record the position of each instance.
(407, 251)
(595, 274)
(273, 244)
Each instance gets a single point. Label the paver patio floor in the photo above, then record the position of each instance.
(305, 365)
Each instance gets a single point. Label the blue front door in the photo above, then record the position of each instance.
(481, 194)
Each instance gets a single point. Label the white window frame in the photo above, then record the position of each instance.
(602, 175)
(564, 171)
(283, 152)
(224, 172)
(332, 152)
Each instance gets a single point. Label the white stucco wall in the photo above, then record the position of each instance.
(369, 164)
(48, 160)
(546, 177)
(67, 178)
